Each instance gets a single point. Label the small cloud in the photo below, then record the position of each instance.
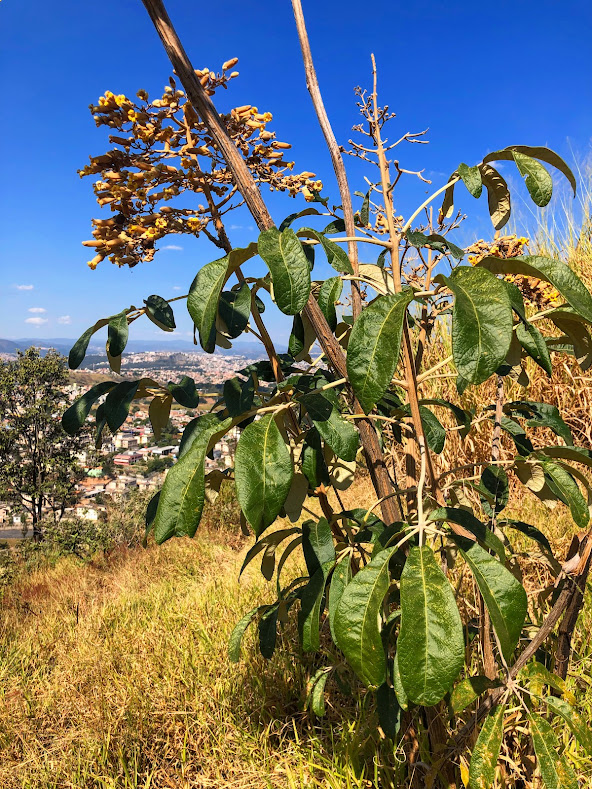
(36, 321)
(242, 227)
(24, 287)
(176, 287)
(65, 319)
(39, 310)
(174, 247)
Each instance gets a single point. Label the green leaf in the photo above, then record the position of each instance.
(555, 771)
(296, 339)
(356, 622)
(571, 324)
(528, 530)
(159, 412)
(239, 395)
(498, 195)
(78, 350)
(536, 152)
(184, 392)
(538, 181)
(481, 322)
(471, 177)
(290, 272)
(305, 212)
(430, 646)
(342, 575)
(269, 540)
(503, 594)
(580, 728)
(317, 692)
(337, 432)
(495, 483)
(434, 241)
(468, 690)
(538, 676)
(234, 308)
(268, 632)
(263, 472)
(329, 294)
(486, 751)
(336, 256)
(569, 490)
(183, 493)
(577, 454)
(434, 432)
(202, 301)
(365, 209)
(319, 554)
(523, 444)
(314, 466)
(337, 226)
(117, 335)
(463, 418)
(402, 697)
(556, 272)
(373, 350)
(118, 402)
(535, 346)
(234, 642)
(75, 416)
(160, 312)
(389, 711)
(469, 522)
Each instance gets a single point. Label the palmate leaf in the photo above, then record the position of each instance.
(263, 473)
(183, 494)
(555, 771)
(430, 646)
(481, 322)
(486, 751)
(290, 272)
(503, 594)
(356, 622)
(534, 152)
(373, 350)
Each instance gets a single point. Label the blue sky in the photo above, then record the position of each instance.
(480, 75)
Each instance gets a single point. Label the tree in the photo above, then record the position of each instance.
(380, 580)
(38, 464)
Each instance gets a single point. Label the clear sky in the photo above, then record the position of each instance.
(480, 75)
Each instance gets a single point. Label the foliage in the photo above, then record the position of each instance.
(389, 588)
(38, 464)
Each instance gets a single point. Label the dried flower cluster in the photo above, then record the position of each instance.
(163, 151)
(536, 292)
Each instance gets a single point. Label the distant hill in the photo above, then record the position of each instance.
(63, 345)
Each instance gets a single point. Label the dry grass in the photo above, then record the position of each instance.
(114, 674)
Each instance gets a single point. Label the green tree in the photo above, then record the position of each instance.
(384, 582)
(38, 464)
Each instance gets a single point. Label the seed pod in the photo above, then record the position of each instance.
(229, 64)
(233, 75)
(283, 145)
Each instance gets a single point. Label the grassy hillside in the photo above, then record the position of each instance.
(114, 674)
